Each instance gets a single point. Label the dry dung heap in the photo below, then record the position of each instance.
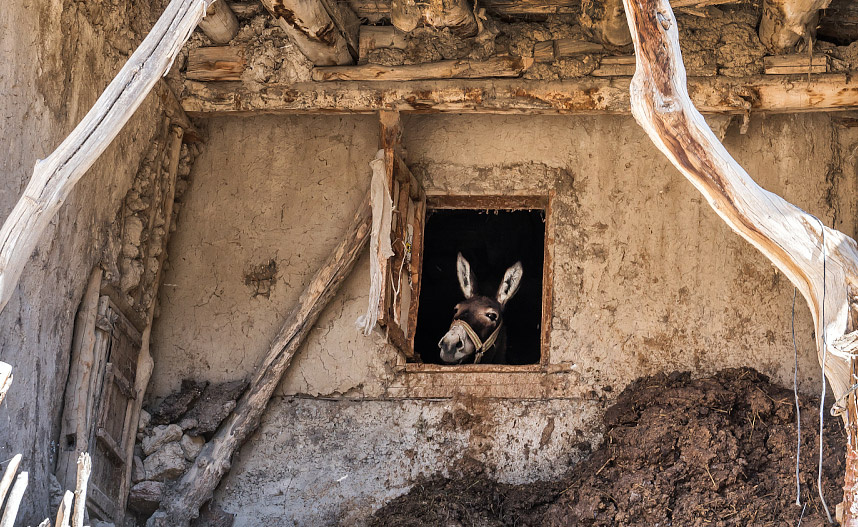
(713, 451)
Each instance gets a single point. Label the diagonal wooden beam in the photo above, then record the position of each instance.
(183, 502)
(821, 262)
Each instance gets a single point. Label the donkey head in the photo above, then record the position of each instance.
(477, 325)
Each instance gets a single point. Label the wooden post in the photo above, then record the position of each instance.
(784, 22)
(195, 488)
(310, 26)
(8, 476)
(55, 177)
(64, 512)
(219, 24)
(14, 502)
(821, 262)
(84, 469)
(5, 382)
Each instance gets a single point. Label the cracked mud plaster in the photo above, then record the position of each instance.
(261, 278)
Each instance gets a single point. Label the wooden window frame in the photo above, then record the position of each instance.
(531, 201)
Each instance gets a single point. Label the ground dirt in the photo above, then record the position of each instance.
(718, 451)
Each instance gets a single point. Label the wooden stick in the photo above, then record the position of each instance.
(15, 497)
(763, 93)
(195, 488)
(84, 469)
(5, 382)
(821, 262)
(55, 177)
(8, 476)
(216, 63)
(502, 66)
(64, 513)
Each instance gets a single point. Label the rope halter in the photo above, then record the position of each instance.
(479, 346)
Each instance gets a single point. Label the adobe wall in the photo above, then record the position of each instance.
(55, 58)
(646, 279)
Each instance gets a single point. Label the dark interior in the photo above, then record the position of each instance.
(492, 241)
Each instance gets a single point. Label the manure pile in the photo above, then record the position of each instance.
(714, 451)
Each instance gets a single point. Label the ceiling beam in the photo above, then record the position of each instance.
(309, 25)
(607, 95)
(784, 22)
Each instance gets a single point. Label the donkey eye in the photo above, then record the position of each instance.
(491, 315)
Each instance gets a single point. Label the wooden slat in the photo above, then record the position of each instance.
(503, 66)
(795, 64)
(216, 63)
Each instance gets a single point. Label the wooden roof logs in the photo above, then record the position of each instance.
(500, 66)
(458, 15)
(313, 29)
(220, 23)
(784, 22)
(586, 95)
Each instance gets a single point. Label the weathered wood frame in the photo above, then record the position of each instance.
(531, 201)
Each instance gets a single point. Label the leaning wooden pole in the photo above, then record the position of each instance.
(54, 177)
(821, 262)
(183, 502)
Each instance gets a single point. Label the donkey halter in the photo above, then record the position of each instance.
(480, 346)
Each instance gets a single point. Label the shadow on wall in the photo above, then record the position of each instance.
(491, 241)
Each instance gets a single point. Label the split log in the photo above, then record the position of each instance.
(551, 50)
(312, 29)
(618, 66)
(64, 512)
(821, 262)
(8, 476)
(346, 21)
(764, 93)
(605, 19)
(220, 23)
(5, 383)
(55, 177)
(195, 488)
(216, 63)
(458, 15)
(784, 22)
(84, 469)
(14, 501)
(502, 66)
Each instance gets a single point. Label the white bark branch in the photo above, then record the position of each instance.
(55, 177)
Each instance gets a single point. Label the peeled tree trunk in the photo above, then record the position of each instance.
(821, 262)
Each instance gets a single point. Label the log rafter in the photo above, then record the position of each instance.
(313, 29)
(607, 95)
(821, 262)
(784, 22)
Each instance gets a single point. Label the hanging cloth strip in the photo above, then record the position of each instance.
(480, 346)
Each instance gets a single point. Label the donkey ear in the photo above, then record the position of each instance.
(510, 283)
(467, 280)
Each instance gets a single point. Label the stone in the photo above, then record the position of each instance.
(215, 404)
(186, 424)
(160, 435)
(99, 523)
(213, 516)
(145, 496)
(143, 422)
(176, 404)
(192, 446)
(138, 471)
(167, 463)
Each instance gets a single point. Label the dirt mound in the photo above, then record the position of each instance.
(715, 451)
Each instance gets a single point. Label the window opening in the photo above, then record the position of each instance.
(492, 241)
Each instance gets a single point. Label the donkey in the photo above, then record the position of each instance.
(477, 329)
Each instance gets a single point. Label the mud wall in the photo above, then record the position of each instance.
(646, 279)
(55, 58)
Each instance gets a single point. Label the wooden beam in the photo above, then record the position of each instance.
(605, 19)
(770, 94)
(379, 37)
(795, 64)
(309, 25)
(186, 497)
(220, 23)
(784, 22)
(821, 262)
(55, 176)
(216, 63)
(502, 66)
(458, 15)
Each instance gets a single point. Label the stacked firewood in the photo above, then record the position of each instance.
(73, 505)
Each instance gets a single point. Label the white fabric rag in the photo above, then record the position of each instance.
(379, 241)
